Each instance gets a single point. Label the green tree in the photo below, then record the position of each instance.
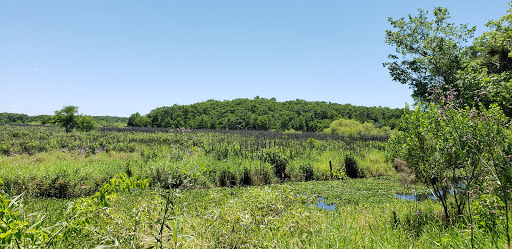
(488, 77)
(142, 121)
(132, 118)
(429, 53)
(67, 117)
(85, 123)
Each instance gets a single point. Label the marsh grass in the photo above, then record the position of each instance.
(271, 216)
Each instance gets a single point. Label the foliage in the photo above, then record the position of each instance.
(15, 229)
(283, 216)
(434, 56)
(489, 71)
(429, 53)
(263, 114)
(86, 123)
(136, 120)
(68, 118)
(353, 128)
(351, 168)
(46, 162)
(275, 157)
(454, 151)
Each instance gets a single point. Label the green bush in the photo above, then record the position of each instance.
(354, 129)
(352, 168)
(275, 157)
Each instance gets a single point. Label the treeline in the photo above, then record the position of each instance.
(263, 114)
(15, 118)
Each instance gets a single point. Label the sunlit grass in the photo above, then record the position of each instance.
(271, 216)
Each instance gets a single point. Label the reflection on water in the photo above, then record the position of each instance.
(422, 197)
(419, 197)
(323, 205)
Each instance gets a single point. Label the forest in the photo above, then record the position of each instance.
(263, 114)
(240, 114)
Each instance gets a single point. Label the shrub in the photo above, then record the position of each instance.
(226, 178)
(245, 179)
(275, 157)
(307, 172)
(351, 168)
(453, 150)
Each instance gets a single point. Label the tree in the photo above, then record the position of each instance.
(490, 70)
(429, 53)
(132, 118)
(85, 123)
(69, 118)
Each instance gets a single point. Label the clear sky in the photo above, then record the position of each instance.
(121, 57)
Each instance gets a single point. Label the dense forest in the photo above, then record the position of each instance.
(263, 114)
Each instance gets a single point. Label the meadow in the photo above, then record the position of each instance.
(179, 188)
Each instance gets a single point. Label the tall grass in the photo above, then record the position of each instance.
(367, 215)
(66, 165)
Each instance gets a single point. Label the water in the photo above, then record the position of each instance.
(419, 197)
(323, 205)
(422, 197)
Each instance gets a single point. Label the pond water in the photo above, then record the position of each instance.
(322, 205)
(422, 197)
(418, 197)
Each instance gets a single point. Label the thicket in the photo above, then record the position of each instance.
(263, 114)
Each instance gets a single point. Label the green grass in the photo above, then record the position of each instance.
(272, 216)
(257, 209)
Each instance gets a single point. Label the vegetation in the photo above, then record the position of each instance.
(157, 184)
(47, 162)
(263, 114)
(435, 55)
(14, 118)
(459, 145)
(353, 128)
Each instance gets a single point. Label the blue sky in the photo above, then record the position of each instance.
(121, 57)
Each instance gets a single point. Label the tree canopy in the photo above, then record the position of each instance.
(69, 118)
(435, 56)
(264, 114)
(429, 53)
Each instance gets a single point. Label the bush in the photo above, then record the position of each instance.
(275, 157)
(455, 151)
(355, 129)
(245, 179)
(307, 172)
(351, 168)
(226, 178)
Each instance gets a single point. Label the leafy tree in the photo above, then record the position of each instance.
(69, 118)
(265, 114)
(429, 53)
(85, 123)
(132, 118)
(142, 121)
(489, 73)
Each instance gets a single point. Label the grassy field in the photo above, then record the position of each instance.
(198, 189)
